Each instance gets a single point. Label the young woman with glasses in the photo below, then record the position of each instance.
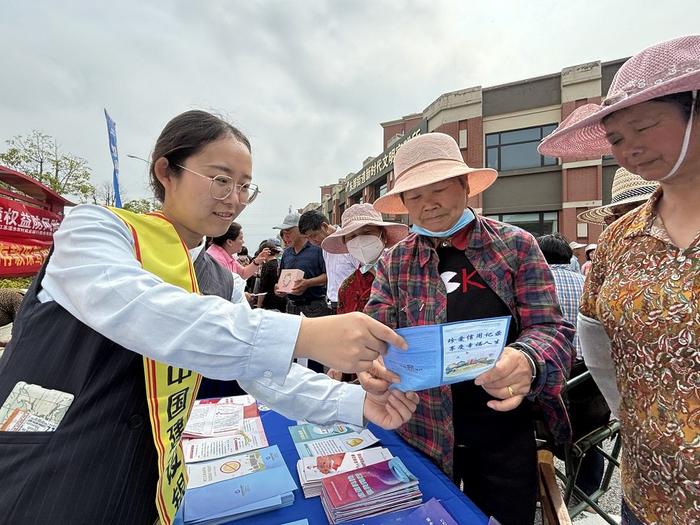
(114, 319)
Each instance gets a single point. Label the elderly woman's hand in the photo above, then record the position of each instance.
(509, 380)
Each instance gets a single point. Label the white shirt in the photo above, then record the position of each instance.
(339, 266)
(93, 274)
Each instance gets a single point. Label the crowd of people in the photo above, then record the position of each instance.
(112, 317)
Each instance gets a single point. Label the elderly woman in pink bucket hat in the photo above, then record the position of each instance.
(366, 236)
(639, 321)
(458, 266)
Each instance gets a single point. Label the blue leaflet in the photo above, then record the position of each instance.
(447, 353)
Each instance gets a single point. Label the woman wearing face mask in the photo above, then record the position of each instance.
(639, 321)
(365, 236)
(115, 322)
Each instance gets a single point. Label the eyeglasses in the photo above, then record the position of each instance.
(221, 186)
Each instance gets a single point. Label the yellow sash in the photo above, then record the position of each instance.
(170, 391)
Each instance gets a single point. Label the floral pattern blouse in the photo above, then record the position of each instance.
(645, 292)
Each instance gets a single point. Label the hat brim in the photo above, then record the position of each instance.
(430, 173)
(394, 234)
(599, 214)
(285, 226)
(586, 138)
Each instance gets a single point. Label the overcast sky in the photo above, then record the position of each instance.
(309, 81)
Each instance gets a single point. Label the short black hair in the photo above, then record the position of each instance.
(311, 220)
(232, 233)
(555, 248)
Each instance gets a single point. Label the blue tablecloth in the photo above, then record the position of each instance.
(433, 483)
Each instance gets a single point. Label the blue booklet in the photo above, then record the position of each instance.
(442, 354)
(269, 488)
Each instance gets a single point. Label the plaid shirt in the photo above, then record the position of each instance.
(569, 285)
(408, 291)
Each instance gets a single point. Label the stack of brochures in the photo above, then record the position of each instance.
(265, 484)
(232, 472)
(376, 489)
(315, 440)
(313, 470)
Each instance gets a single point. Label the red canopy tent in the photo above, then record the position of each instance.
(28, 219)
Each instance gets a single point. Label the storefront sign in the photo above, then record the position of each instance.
(382, 165)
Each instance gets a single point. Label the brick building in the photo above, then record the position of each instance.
(500, 127)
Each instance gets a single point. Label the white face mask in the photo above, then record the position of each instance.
(365, 248)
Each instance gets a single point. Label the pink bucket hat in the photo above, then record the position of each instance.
(354, 218)
(427, 159)
(662, 69)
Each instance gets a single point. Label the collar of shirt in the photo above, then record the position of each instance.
(644, 220)
(194, 252)
(566, 267)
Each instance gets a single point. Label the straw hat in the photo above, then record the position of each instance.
(354, 218)
(427, 159)
(662, 69)
(626, 188)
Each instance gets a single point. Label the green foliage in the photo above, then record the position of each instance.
(39, 156)
(16, 282)
(141, 206)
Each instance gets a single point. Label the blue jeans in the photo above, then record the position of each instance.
(628, 517)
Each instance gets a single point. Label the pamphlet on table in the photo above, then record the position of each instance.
(370, 490)
(266, 485)
(314, 440)
(447, 353)
(314, 469)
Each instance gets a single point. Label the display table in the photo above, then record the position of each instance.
(433, 483)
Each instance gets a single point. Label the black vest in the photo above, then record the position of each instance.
(212, 278)
(99, 466)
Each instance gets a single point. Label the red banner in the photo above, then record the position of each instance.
(26, 234)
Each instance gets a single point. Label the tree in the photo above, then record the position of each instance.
(104, 194)
(39, 156)
(141, 206)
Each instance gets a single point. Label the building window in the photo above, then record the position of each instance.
(537, 223)
(517, 149)
(380, 190)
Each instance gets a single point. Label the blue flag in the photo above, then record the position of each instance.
(112, 131)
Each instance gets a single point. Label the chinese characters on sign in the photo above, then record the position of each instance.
(26, 234)
(19, 220)
(381, 164)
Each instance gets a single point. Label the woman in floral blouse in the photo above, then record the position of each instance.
(640, 312)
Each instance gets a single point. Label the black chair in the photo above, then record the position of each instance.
(573, 453)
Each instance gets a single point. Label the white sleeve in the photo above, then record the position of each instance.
(596, 350)
(93, 273)
(311, 396)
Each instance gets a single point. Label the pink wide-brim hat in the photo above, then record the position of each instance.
(354, 218)
(662, 69)
(427, 159)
